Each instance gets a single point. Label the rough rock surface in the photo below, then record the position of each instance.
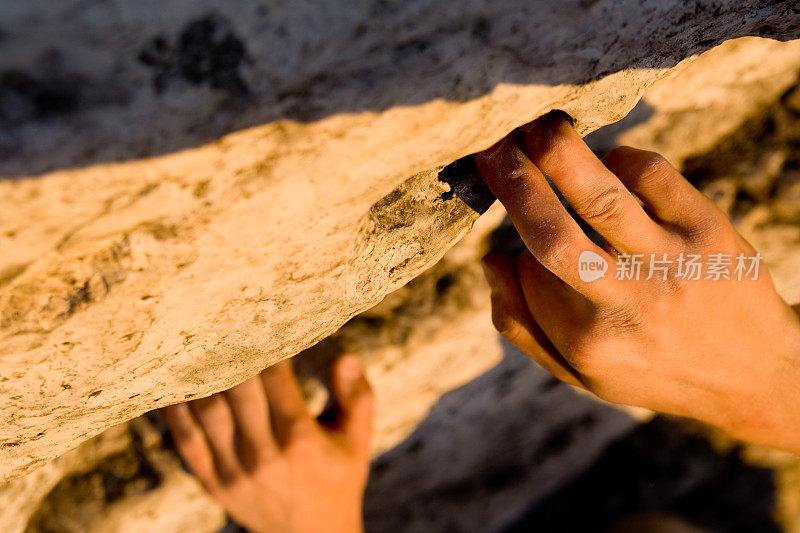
(708, 101)
(123, 480)
(126, 286)
(431, 336)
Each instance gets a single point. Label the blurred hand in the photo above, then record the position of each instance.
(257, 451)
(725, 351)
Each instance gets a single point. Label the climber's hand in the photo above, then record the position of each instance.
(724, 351)
(257, 451)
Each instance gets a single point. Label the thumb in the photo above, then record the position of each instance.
(354, 401)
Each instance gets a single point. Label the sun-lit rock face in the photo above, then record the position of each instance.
(199, 189)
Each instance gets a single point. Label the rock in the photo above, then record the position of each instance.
(150, 256)
(707, 101)
(124, 480)
(787, 201)
(430, 336)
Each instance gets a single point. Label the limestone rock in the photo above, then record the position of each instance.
(709, 100)
(149, 256)
(124, 480)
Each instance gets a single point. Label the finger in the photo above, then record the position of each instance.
(559, 310)
(248, 404)
(354, 402)
(190, 441)
(547, 229)
(593, 191)
(215, 418)
(668, 196)
(288, 411)
(514, 322)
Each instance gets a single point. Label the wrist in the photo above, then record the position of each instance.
(771, 415)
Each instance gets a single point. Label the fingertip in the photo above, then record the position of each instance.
(552, 122)
(190, 442)
(170, 410)
(349, 378)
(508, 306)
(545, 133)
(501, 164)
(349, 381)
(180, 421)
(279, 374)
(348, 367)
(354, 397)
(175, 409)
(281, 367)
(491, 152)
(560, 114)
(625, 149)
(288, 410)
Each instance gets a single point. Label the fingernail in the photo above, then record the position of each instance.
(491, 277)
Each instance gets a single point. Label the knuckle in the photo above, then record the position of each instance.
(265, 454)
(305, 445)
(592, 352)
(620, 154)
(264, 469)
(603, 207)
(649, 167)
(557, 254)
(228, 477)
(629, 315)
(621, 157)
(513, 180)
(302, 431)
(653, 165)
(711, 228)
(671, 287)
